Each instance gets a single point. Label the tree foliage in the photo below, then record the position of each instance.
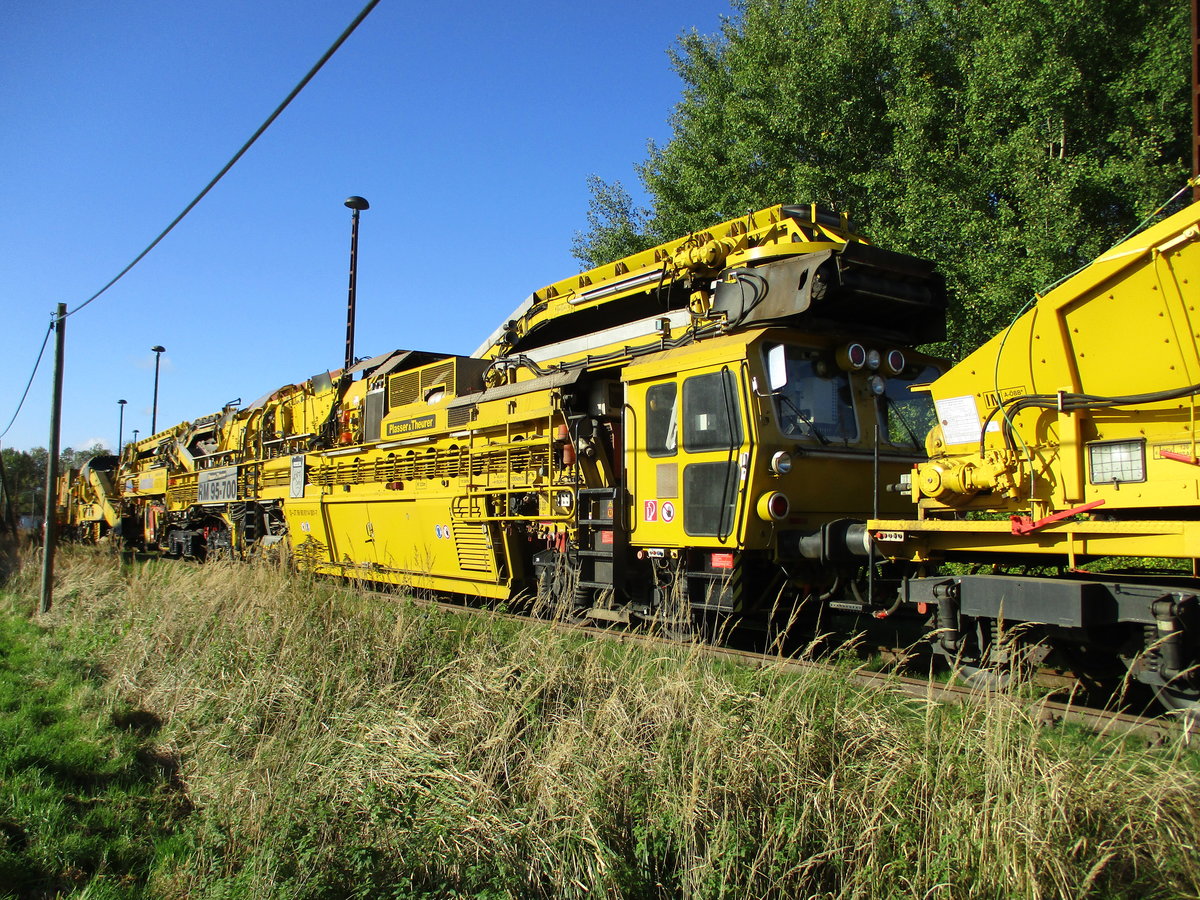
(24, 485)
(1009, 140)
(616, 227)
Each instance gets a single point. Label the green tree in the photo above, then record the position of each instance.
(1009, 140)
(25, 475)
(616, 226)
(24, 480)
(71, 458)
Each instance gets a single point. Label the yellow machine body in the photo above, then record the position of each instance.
(1079, 421)
(461, 469)
(1068, 443)
(700, 413)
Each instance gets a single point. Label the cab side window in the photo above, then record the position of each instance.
(711, 417)
(662, 419)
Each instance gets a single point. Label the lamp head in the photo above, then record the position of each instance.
(356, 203)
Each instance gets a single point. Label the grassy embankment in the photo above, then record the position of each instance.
(330, 744)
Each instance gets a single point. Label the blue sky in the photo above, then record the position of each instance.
(471, 129)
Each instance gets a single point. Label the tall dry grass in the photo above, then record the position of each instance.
(336, 743)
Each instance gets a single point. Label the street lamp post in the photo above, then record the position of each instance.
(358, 204)
(135, 434)
(120, 426)
(159, 350)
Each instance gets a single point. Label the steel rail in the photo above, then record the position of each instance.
(1045, 711)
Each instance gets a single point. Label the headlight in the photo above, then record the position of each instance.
(773, 506)
(878, 385)
(873, 360)
(781, 462)
(1117, 461)
(895, 362)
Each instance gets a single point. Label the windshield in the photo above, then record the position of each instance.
(816, 402)
(907, 415)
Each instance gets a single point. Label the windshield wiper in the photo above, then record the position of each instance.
(895, 407)
(805, 419)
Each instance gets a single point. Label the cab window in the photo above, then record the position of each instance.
(816, 402)
(662, 419)
(906, 416)
(709, 494)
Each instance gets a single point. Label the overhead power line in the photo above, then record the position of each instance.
(32, 374)
(200, 196)
(246, 146)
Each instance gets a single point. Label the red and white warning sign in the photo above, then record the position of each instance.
(651, 511)
(668, 511)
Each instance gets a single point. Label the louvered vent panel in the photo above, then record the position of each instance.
(403, 389)
(443, 373)
(462, 415)
(474, 547)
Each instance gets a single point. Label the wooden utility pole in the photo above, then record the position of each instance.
(50, 532)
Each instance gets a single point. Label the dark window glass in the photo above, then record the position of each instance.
(662, 419)
(816, 403)
(711, 420)
(908, 415)
(709, 492)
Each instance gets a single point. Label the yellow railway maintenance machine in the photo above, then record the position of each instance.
(85, 507)
(217, 485)
(693, 428)
(1076, 431)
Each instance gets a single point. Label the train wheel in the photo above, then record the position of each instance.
(1185, 702)
(682, 630)
(984, 678)
(557, 594)
(993, 658)
(576, 613)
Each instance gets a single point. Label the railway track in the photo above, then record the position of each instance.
(1155, 730)
(1050, 712)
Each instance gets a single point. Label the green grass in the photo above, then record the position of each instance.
(86, 800)
(335, 744)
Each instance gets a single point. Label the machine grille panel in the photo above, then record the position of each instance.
(473, 546)
(403, 389)
(439, 374)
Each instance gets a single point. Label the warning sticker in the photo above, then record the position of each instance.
(668, 511)
(650, 511)
(959, 420)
